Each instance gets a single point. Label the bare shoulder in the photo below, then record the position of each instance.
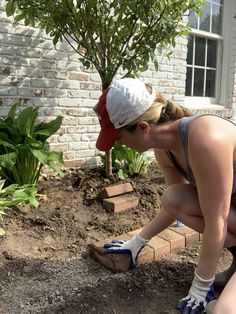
(212, 134)
(207, 129)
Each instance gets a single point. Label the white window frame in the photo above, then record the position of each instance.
(223, 55)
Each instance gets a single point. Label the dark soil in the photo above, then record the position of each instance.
(45, 266)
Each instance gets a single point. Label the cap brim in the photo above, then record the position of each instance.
(106, 139)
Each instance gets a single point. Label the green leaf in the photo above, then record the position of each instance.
(40, 155)
(48, 129)
(56, 168)
(26, 120)
(8, 160)
(12, 111)
(10, 7)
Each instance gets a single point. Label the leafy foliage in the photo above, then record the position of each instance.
(109, 34)
(127, 162)
(24, 148)
(13, 195)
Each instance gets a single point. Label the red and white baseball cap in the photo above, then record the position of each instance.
(120, 104)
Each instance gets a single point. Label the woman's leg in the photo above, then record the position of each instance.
(181, 202)
(226, 301)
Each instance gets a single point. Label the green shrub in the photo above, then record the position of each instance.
(126, 162)
(24, 148)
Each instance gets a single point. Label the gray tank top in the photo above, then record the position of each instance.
(184, 127)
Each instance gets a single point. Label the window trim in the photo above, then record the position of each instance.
(222, 79)
(229, 7)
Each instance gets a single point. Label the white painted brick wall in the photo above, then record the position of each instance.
(52, 79)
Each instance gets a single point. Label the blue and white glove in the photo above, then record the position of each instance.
(131, 247)
(200, 294)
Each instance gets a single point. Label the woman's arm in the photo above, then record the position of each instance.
(163, 220)
(211, 159)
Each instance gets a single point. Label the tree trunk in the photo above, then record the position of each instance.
(108, 164)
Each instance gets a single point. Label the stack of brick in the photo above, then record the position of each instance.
(118, 197)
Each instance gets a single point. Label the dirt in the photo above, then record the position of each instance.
(45, 265)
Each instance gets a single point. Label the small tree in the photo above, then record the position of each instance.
(109, 34)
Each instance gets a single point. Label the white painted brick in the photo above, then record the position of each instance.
(68, 84)
(47, 102)
(85, 153)
(55, 111)
(78, 93)
(78, 129)
(67, 138)
(89, 137)
(78, 146)
(88, 103)
(95, 95)
(70, 121)
(85, 120)
(95, 128)
(69, 102)
(55, 92)
(8, 91)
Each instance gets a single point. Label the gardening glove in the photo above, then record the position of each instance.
(131, 247)
(200, 294)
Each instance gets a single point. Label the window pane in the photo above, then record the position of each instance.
(200, 51)
(198, 82)
(190, 50)
(216, 18)
(193, 19)
(210, 83)
(188, 82)
(218, 1)
(211, 53)
(205, 18)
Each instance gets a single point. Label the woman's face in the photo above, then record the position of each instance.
(137, 139)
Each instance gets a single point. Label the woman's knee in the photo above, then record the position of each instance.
(171, 199)
(178, 198)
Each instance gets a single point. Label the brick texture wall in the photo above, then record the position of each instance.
(52, 78)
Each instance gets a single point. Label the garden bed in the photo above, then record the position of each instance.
(45, 265)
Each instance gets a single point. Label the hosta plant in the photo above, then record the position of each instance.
(126, 162)
(13, 195)
(24, 149)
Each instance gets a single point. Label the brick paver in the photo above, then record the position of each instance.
(116, 189)
(120, 203)
(168, 241)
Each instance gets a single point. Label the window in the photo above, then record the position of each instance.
(204, 52)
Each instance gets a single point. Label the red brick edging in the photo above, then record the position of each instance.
(167, 242)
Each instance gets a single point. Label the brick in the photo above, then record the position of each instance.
(147, 255)
(160, 246)
(120, 203)
(116, 189)
(176, 240)
(191, 236)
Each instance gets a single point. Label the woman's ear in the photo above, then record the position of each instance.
(144, 127)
